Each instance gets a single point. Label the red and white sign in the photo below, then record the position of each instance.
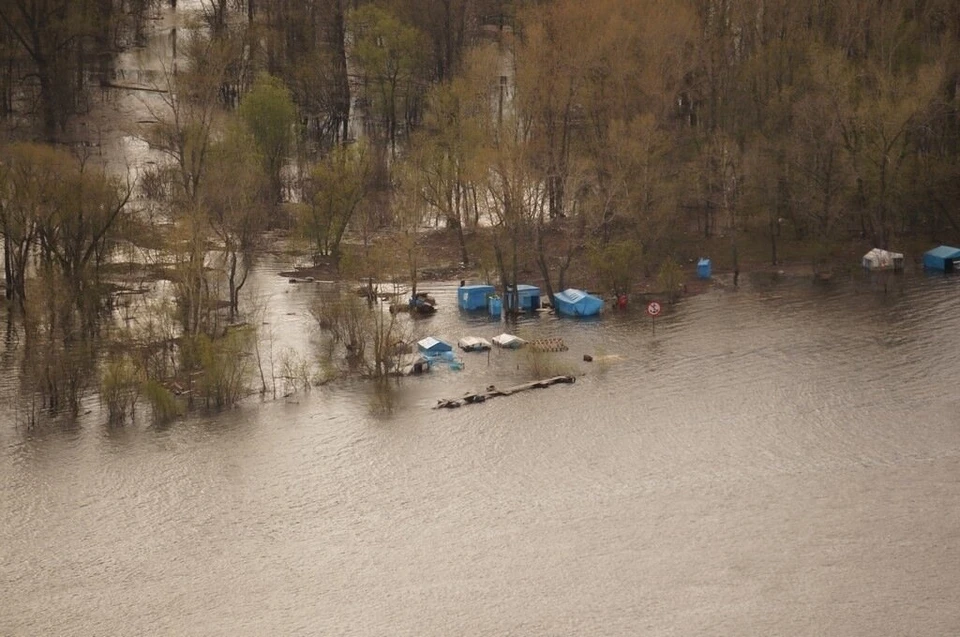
(653, 308)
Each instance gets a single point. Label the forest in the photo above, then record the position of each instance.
(602, 140)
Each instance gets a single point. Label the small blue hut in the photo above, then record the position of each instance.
(528, 297)
(704, 268)
(573, 302)
(473, 297)
(943, 258)
(431, 346)
(495, 305)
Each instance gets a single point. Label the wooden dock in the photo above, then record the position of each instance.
(493, 392)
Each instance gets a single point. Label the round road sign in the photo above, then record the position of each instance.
(653, 308)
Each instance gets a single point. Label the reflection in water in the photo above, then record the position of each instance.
(384, 397)
(778, 459)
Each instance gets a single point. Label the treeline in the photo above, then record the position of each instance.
(604, 132)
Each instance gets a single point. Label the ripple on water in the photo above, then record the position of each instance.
(765, 454)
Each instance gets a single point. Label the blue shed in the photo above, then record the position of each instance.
(495, 305)
(703, 268)
(573, 302)
(528, 297)
(473, 297)
(943, 258)
(433, 346)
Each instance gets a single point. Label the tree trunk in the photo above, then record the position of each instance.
(544, 268)
(233, 286)
(457, 207)
(341, 105)
(773, 240)
(47, 99)
(502, 268)
(7, 268)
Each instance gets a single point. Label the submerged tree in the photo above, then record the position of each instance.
(235, 201)
(61, 209)
(390, 54)
(270, 115)
(372, 336)
(55, 34)
(338, 184)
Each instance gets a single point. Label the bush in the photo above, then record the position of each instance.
(163, 403)
(225, 367)
(120, 388)
(670, 279)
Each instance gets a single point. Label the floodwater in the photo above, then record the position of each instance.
(782, 459)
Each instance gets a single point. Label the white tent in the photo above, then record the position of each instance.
(878, 259)
(509, 341)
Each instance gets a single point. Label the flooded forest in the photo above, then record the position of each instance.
(153, 153)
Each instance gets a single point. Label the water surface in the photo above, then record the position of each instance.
(782, 459)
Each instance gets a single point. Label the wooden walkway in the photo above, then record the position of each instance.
(493, 392)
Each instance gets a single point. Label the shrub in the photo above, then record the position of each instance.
(120, 388)
(670, 279)
(163, 403)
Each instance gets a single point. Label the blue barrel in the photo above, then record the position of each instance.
(703, 268)
(495, 305)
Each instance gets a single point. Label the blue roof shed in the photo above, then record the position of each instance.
(943, 258)
(573, 302)
(703, 268)
(474, 297)
(495, 305)
(528, 297)
(433, 346)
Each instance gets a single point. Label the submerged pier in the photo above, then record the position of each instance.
(492, 392)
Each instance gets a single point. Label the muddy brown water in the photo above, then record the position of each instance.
(782, 459)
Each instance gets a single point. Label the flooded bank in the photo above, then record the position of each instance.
(781, 459)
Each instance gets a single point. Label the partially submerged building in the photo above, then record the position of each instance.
(943, 258)
(878, 259)
(528, 298)
(573, 302)
(474, 297)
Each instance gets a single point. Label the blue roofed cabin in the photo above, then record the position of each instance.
(431, 346)
(474, 297)
(943, 258)
(528, 298)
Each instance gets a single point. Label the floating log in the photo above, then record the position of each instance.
(492, 392)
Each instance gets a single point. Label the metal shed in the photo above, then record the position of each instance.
(528, 297)
(474, 297)
(943, 258)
